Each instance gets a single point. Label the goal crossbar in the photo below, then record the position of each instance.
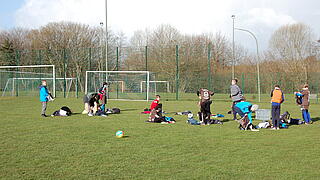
(119, 72)
(38, 66)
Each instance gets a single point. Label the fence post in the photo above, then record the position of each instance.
(146, 59)
(18, 75)
(117, 69)
(209, 66)
(177, 72)
(64, 73)
(242, 82)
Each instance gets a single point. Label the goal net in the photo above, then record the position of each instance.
(123, 84)
(25, 80)
(156, 86)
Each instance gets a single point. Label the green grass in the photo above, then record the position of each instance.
(82, 147)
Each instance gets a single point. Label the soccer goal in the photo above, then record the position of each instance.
(122, 84)
(25, 80)
(156, 86)
(63, 85)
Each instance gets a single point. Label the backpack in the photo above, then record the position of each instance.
(285, 117)
(67, 109)
(115, 111)
(298, 99)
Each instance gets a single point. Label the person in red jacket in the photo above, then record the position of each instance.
(155, 102)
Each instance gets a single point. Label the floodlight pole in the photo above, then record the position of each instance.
(106, 7)
(233, 55)
(258, 59)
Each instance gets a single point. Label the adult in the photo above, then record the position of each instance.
(277, 99)
(304, 93)
(236, 95)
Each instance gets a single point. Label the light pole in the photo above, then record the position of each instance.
(233, 56)
(106, 4)
(258, 59)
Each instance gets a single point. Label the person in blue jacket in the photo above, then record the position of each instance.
(44, 93)
(243, 108)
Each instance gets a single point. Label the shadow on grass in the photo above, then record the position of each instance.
(315, 119)
(129, 109)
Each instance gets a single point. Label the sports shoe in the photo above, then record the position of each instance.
(273, 128)
(90, 114)
(43, 115)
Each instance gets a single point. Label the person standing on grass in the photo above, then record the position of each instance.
(44, 93)
(277, 99)
(236, 96)
(103, 95)
(305, 103)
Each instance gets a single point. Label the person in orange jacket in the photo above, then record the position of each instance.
(277, 98)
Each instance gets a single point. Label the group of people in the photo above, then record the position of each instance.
(92, 105)
(239, 104)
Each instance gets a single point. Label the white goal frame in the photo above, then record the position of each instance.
(166, 82)
(38, 66)
(68, 86)
(119, 72)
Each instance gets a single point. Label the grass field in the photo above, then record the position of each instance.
(82, 147)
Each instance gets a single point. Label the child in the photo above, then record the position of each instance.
(204, 103)
(156, 115)
(305, 103)
(236, 95)
(44, 97)
(91, 102)
(277, 99)
(245, 109)
(103, 95)
(155, 102)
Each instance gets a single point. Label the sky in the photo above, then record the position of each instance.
(262, 17)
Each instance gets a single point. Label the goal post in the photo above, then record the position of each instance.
(27, 71)
(167, 84)
(59, 85)
(129, 81)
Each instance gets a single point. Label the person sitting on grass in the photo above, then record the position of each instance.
(155, 102)
(305, 103)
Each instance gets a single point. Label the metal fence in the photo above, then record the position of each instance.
(185, 68)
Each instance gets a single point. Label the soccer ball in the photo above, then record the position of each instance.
(119, 134)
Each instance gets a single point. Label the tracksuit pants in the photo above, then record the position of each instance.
(275, 113)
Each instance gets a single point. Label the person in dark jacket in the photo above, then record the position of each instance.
(305, 103)
(204, 103)
(236, 96)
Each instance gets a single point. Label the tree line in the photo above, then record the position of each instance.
(75, 48)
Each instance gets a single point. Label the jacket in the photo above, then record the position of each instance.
(277, 97)
(305, 98)
(236, 93)
(245, 107)
(44, 94)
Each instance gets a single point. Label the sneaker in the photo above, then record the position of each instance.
(43, 115)
(273, 128)
(90, 114)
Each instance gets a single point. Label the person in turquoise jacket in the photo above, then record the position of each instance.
(243, 108)
(44, 93)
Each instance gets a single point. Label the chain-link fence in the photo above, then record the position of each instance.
(177, 70)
